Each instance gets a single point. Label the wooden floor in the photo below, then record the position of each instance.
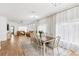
(11, 48)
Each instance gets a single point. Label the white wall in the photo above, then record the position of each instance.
(3, 28)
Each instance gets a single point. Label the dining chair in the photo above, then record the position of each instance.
(56, 44)
(36, 41)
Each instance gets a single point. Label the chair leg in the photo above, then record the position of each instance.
(53, 51)
(41, 51)
(58, 51)
(44, 49)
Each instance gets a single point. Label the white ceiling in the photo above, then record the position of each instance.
(24, 11)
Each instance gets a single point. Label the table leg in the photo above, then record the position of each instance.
(44, 49)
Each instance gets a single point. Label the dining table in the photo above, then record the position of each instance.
(44, 40)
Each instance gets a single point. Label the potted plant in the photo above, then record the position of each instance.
(40, 33)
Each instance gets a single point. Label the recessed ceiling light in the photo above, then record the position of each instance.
(34, 16)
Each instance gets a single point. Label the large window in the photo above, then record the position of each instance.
(69, 32)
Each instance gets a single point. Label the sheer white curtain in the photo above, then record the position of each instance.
(69, 32)
(67, 26)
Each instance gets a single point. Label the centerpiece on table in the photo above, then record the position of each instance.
(40, 33)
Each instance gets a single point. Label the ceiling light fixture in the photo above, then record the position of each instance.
(34, 16)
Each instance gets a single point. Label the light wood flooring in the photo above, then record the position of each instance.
(21, 46)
